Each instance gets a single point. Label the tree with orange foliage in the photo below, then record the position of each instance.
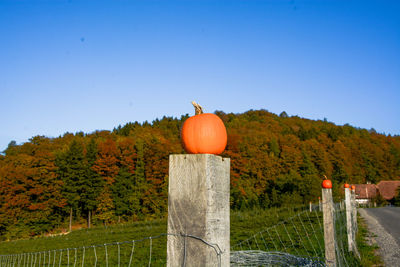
(30, 193)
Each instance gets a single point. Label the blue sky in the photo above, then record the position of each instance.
(68, 66)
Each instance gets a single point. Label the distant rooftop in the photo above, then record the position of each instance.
(366, 191)
(387, 189)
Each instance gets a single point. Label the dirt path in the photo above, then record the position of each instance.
(388, 247)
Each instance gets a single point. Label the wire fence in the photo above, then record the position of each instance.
(295, 241)
(149, 251)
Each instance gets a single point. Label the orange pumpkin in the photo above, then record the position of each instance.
(204, 133)
(353, 187)
(346, 186)
(326, 183)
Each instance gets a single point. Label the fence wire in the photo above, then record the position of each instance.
(139, 252)
(295, 241)
(273, 258)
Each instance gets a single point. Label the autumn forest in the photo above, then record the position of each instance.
(122, 175)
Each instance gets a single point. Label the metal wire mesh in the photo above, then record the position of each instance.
(272, 258)
(295, 241)
(140, 252)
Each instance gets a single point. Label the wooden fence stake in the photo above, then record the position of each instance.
(329, 228)
(198, 204)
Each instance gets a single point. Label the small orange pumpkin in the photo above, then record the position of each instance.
(353, 187)
(346, 186)
(204, 133)
(327, 184)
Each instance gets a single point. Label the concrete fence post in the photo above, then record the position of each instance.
(198, 204)
(329, 227)
(349, 213)
(354, 214)
(319, 204)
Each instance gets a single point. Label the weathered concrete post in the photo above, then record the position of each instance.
(319, 204)
(329, 229)
(198, 204)
(354, 214)
(347, 195)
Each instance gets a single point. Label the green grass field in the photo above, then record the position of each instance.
(292, 230)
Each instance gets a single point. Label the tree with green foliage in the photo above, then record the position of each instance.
(283, 114)
(73, 172)
(122, 190)
(309, 186)
(139, 184)
(396, 199)
(92, 184)
(274, 147)
(123, 187)
(105, 208)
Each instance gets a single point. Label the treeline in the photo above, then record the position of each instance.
(106, 177)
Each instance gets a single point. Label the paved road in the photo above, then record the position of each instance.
(389, 218)
(384, 224)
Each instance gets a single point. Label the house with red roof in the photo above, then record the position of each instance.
(386, 189)
(365, 192)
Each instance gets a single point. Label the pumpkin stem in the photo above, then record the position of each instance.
(198, 109)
